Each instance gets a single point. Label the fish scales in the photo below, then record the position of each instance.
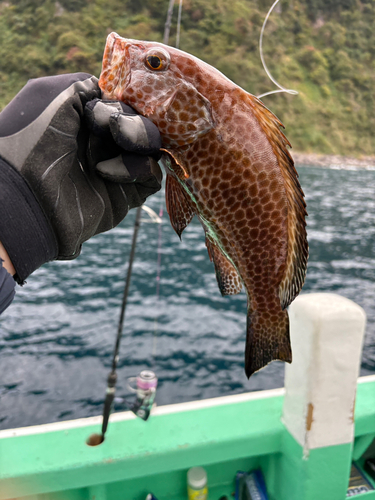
(227, 162)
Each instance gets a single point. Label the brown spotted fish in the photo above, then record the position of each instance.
(226, 162)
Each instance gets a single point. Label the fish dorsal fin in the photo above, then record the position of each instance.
(296, 263)
(178, 204)
(227, 277)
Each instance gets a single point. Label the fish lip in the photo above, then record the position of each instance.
(115, 46)
(110, 45)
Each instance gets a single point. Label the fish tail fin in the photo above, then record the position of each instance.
(266, 340)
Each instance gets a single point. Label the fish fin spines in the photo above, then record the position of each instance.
(173, 163)
(226, 275)
(266, 341)
(297, 256)
(178, 205)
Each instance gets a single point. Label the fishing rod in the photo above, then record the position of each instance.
(146, 381)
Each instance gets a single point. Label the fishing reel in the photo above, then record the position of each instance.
(145, 390)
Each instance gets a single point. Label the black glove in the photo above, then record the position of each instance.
(51, 151)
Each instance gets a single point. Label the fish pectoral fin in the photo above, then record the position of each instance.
(170, 162)
(267, 339)
(190, 113)
(178, 204)
(227, 277)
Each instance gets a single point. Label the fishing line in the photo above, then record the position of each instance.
(153, 216)
(281, 88)
(158, 273)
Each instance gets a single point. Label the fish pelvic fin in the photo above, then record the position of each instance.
(178, 205)
(226, 275)
(266, 340)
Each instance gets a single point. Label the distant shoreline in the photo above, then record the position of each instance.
(334, 161)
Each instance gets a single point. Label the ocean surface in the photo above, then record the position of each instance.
(57, 338)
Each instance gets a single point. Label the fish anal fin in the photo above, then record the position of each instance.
(178, 205)
(227, 277)
(266, 340)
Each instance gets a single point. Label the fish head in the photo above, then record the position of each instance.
(160, 83)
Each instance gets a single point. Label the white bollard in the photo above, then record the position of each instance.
(327, 335)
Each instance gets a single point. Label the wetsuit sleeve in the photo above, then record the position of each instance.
(7, 288)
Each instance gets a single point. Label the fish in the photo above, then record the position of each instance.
(228, 163)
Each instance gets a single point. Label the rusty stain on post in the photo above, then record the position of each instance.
(309, 418)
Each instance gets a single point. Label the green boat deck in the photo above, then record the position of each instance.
(223, 435)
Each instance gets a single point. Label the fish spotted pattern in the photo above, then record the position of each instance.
(226, 162)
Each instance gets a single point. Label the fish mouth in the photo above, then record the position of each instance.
(115, 73)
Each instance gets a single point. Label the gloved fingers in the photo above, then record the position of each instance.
(136, 133)
(129, 168)
(137, 192)
(98, 112)
(130, 131)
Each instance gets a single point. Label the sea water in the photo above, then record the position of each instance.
(57, 338)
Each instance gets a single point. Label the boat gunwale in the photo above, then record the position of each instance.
(157, 410)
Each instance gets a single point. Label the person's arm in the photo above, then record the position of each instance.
(7, 264)
(71, 167)
(7, 283)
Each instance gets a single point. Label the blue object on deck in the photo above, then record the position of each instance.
(250, 486)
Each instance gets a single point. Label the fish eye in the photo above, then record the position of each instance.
(157, 60)
(154, 62)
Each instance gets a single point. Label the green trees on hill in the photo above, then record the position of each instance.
(325, 49)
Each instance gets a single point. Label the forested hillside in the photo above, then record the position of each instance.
(325, 49)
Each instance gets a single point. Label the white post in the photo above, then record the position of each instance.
(326, 334)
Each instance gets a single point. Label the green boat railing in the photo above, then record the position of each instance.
(304, 437)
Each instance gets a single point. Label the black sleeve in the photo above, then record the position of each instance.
(7, 288)
(25, 230)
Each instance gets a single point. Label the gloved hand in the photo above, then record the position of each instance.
(71, 166)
